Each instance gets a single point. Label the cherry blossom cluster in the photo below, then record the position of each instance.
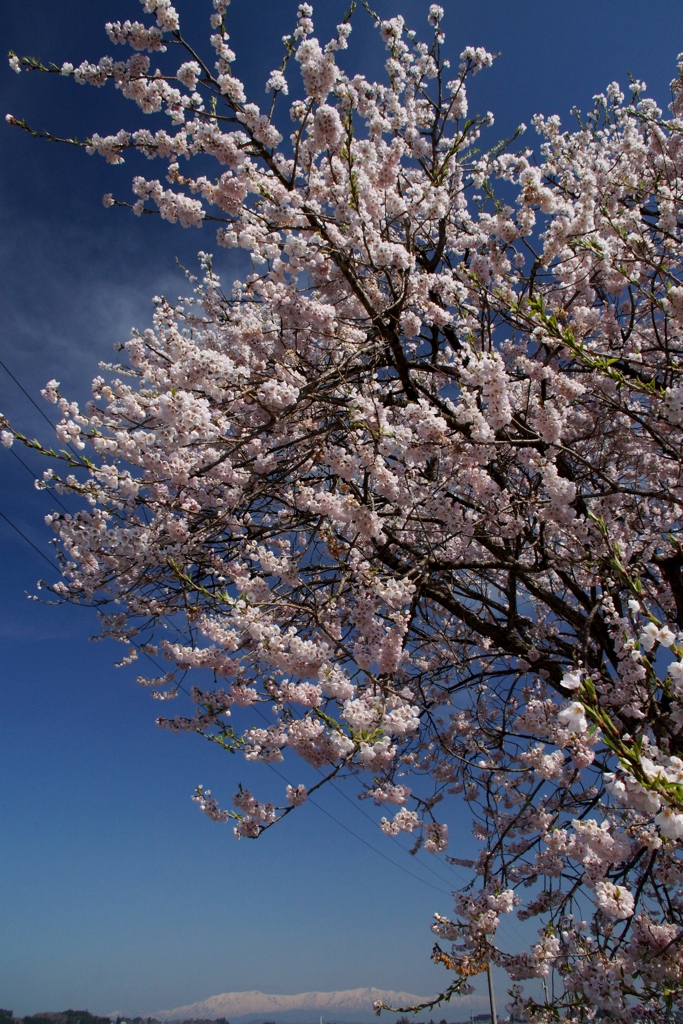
(406, 501)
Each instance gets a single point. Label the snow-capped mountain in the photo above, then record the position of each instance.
(352, 1005)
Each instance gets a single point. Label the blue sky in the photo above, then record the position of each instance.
(115, 892)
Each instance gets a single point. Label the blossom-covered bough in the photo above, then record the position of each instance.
(414, 485)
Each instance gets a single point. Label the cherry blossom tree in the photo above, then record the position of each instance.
(413, 486)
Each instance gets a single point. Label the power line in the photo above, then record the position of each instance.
(328, 813)
(370, 819)
(28, 541)
(361, 840)
(324, 810)
(31, 400)
(315, 804)
(319, 807)
(338, 790)
(33, 475)
(360, 810)
(181, 687)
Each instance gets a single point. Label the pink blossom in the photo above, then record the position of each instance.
(614, 900)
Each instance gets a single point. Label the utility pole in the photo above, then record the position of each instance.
(492, 997)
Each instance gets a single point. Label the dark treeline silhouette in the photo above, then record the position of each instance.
(85, 1017)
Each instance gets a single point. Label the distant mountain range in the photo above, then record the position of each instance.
(307, 1007)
